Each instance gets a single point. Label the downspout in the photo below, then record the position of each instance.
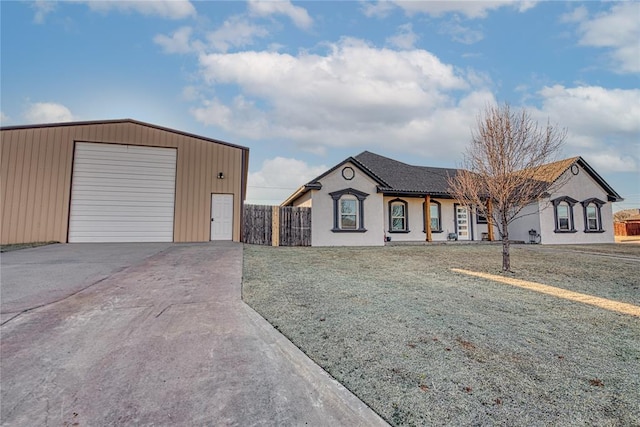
(243, 190)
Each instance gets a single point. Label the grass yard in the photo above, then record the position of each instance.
(422, 345)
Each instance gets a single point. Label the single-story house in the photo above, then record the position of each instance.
(370, 199)
(118, 181)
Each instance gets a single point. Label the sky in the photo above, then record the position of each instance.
(305, 85)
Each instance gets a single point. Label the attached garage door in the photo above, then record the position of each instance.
(122, 193)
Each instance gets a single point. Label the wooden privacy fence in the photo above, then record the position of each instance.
(276, 225)
(626, 228)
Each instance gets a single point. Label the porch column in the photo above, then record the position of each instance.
(489, 219)
(427, 215)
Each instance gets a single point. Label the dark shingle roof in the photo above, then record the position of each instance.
(400, 177)
(397, 178)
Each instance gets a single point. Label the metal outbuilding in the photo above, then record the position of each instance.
(118, 181)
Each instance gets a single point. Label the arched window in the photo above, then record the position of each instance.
(348, 210)
(398, 216)
(563, 214)
(592, 215)
(435, 212)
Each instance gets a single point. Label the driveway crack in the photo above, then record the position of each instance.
(26, 310)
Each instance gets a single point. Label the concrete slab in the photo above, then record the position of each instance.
(164, 341)
(40, 276)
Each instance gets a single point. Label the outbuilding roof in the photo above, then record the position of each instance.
(122, 121)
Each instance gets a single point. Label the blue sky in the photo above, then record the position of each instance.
(305, 85)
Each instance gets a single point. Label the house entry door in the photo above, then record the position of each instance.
(221, 216)
(462, 223)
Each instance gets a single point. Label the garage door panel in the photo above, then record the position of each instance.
(122, 193)
(121, 165)
(123, 188)
(123, 175)
(123, 227)
(130, 218)
(122, 237)
(115, 150)
(130, 211)
(99, 205)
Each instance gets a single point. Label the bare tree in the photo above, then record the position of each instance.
(506, 167)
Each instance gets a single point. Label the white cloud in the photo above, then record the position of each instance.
(379, 9)
(618, 29)
(355, 95)
(235, 32)
(178, 42)
(460, 33)
(578, 14)
(170, 9)
(602, 123)
(405, 37)
(42, 8)
(469, 9)
(612, 161)
(4, 118)
(278, 179)
(297, 14)
(47, 112)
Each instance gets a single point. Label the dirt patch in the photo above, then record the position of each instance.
(424, 346)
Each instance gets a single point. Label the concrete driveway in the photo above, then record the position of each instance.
(153, 334)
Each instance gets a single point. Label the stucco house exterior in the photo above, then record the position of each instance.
(368, 200)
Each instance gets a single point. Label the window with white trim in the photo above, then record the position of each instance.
(398, 220)
(592, 215)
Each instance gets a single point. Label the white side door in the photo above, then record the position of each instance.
(462, 223)
(222, 217)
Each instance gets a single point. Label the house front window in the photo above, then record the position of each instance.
(435, 215)
(592, 216)
(348, 214)
(348, 211)
(481, 217)
(563, 214)
(398, 220)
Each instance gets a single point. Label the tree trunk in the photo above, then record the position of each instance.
(506, 258)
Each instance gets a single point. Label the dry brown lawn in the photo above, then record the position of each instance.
(423, 345)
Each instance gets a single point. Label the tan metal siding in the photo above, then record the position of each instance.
(36, 165)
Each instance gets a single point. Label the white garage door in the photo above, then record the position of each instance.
(122, 193)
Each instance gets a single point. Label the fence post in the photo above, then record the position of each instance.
(275, 226)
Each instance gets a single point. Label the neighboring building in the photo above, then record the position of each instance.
(630, 226)
(369, 199)
(118, 181)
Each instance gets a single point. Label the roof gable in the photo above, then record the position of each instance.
(124, 121)
(404, 178)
